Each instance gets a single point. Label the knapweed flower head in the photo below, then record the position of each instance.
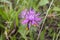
(31, 17)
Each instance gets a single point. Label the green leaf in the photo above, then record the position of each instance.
(1, 25)
(56, 9)
(6, 1)
(1, 6)
(22, 30)
(58, 24)
(43, 2)
(50, 30)
(2, 37)
(4, 14)
(13, 38)
(42, 35)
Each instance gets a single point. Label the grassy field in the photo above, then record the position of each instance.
(29, 19)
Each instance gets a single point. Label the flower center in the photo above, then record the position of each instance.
(31, 17)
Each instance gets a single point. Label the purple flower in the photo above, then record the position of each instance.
(30, 17)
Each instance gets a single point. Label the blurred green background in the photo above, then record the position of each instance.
(12, 29)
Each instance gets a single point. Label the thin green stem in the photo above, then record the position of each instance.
(53, 37)
(31, 34)
(57, 35)
(45, 19)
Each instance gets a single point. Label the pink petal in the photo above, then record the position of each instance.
(37, 19)
(25, 21)
(23, 13)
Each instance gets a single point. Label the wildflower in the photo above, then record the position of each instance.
(30, 17)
